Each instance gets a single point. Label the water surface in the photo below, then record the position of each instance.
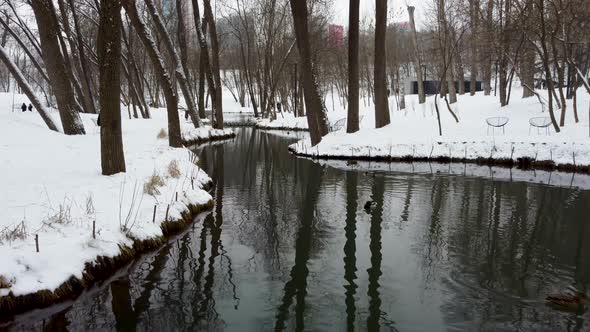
(289, 246)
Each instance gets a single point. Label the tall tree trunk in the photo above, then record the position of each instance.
(474, 18)
(316, 113)
(417, 58)
(88, 95)
(486, 52)
(215, 65)
(78, 95)
(545, 57)
(353, 67)
(174, 136)
(206, 64)
(528, 72)
(109, 59)
(380, 71)
(56, 70)
(201, 93)
(504, 49)
(26, 88)
(83, 58)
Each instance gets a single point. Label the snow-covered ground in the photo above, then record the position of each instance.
(51, 186)
(190, 134)
(414, 132)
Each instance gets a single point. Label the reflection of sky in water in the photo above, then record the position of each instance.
(289, 245)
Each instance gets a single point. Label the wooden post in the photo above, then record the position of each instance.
(37, 242)
(177, 196)
(167, 209)
(154, 216)
(94, 229)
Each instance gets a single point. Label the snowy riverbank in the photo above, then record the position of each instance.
(413, 134)
(53, 190)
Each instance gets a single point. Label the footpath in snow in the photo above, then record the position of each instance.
(84, 224)
(413, 134)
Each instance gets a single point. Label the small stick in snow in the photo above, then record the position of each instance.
(37, 242)
(167, 209)
(94, 229)
(176, 196)
(431, 150)
(193, 183)
(574, 157)
(154, 216)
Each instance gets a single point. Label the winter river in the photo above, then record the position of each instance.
(290, 246)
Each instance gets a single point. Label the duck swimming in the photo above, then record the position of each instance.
(570, 300)
(369, 205)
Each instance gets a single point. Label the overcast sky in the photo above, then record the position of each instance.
(397, 8)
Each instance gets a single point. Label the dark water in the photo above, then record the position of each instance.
(289, 246)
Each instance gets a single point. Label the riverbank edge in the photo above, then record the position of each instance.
(102, 267)
(258, 126)
(202, 140)
(524, 163)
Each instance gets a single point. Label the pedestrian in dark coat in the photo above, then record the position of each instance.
(23, 107)
(30, 107)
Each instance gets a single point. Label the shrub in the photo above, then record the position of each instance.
(173, 169)
(12, 233)
(162, 134)
(153, 183)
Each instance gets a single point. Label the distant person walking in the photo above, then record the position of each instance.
(23, 107)
(30, 107)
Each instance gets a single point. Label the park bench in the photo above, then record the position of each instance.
(496, 122)
(540, 123)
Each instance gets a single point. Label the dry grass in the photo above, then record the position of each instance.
(162, 134)
(90, 205)
(174, 169)
(154, 182)
(4, 282)
(13, 232)
(62, 216)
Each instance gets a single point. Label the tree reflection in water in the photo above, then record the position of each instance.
(286, 248)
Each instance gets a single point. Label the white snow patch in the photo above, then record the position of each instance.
(414, 132)
(49, 179)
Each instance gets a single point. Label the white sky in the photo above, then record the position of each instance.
(397, 9)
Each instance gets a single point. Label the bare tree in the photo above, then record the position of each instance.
(218, 123)
(174, 137)
(179, 68)
(417, 57)
(353, 67)
(22, 82)
(380, 70)
(56, 68)
(316, 115)
(109, 58)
